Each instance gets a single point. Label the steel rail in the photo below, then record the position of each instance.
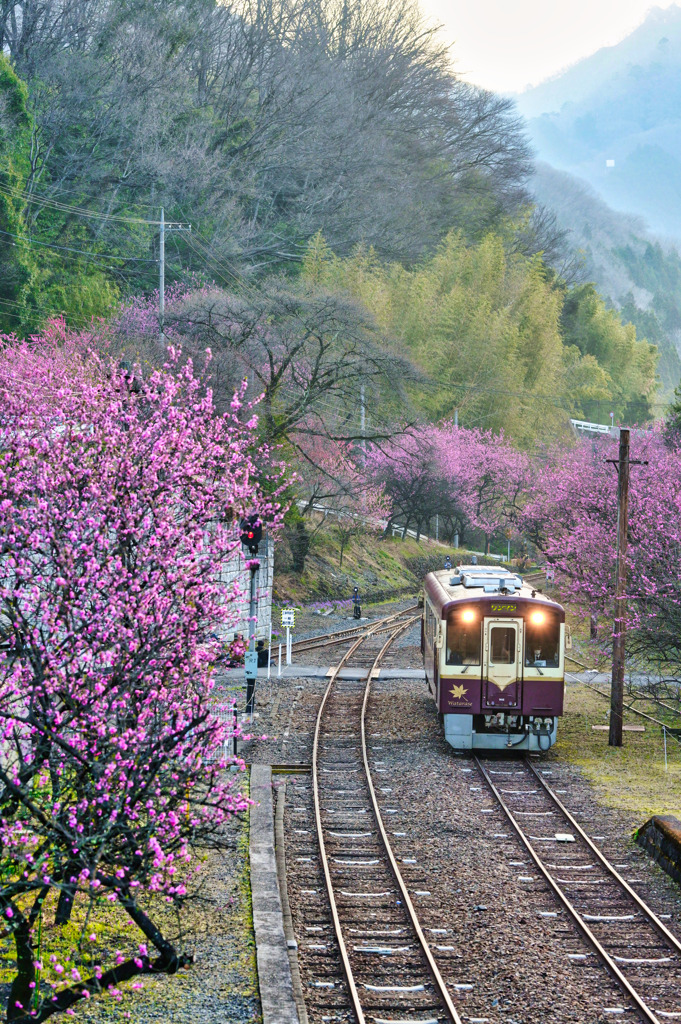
(591, 939)
(347, 968)
(432, 966)
(652, 918)
(341, 635)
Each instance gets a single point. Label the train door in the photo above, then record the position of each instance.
(502, 664)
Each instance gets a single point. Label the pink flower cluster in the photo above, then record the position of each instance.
(119, 507)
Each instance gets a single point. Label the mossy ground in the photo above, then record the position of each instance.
(221, 985)
(370, 562)
(631, 778)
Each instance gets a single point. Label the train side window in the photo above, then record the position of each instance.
(463, 637)
(542, 639)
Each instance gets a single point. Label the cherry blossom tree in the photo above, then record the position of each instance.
(470, 478)
(338, 483)
(485, 472)
(120, 498)
(414, 485)
(571, 515)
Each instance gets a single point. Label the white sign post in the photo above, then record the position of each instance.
(288, 620)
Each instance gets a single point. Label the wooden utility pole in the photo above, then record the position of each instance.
(619, 630)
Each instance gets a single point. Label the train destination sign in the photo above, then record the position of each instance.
(505, 607)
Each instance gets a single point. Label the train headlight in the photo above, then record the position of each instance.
(468, 615)
(537, 618)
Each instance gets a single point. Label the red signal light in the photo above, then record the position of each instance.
(251, 532)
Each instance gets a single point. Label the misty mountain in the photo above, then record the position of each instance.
(638, 273)
(614, 120)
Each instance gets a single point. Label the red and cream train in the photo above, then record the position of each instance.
(494, 656)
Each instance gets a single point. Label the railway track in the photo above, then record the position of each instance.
(348, 635)
(622, 932)
(389, 972)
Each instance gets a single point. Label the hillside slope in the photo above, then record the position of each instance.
(614, 119)
(638, 274)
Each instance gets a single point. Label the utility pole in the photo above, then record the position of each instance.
(161, 275)
(620, 624)
(363, 420)
(170, 226)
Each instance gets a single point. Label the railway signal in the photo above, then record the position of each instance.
(251, 532)
(251, 535)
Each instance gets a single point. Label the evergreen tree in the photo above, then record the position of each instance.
(672, 424)
(17, 270)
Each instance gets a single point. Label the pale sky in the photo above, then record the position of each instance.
(506, 45)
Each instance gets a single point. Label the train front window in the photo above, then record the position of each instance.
(502, 645)
(463, 637)
(542, 639)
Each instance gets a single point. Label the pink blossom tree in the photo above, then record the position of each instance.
(571, 515)
(470, 478)
(416, 491)
(120, 499)
(338, 482)
(486, 474)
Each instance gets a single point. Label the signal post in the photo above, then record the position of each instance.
(251, 535)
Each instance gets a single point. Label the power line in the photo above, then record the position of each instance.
(82, 252)
(77, 211)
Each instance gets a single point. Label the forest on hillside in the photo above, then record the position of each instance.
(364, 246)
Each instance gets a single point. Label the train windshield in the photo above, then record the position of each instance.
(542, 638)
(463, 637)
(502, 645)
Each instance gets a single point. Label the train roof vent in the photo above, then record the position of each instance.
(492, 580)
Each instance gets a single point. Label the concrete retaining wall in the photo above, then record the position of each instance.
(661, 838)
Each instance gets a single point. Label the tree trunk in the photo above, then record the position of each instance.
(299, 543)
(20, 991)
(65, 903)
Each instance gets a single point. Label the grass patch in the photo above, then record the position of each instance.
(631, 778)
(246, 965)
(372, 563)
